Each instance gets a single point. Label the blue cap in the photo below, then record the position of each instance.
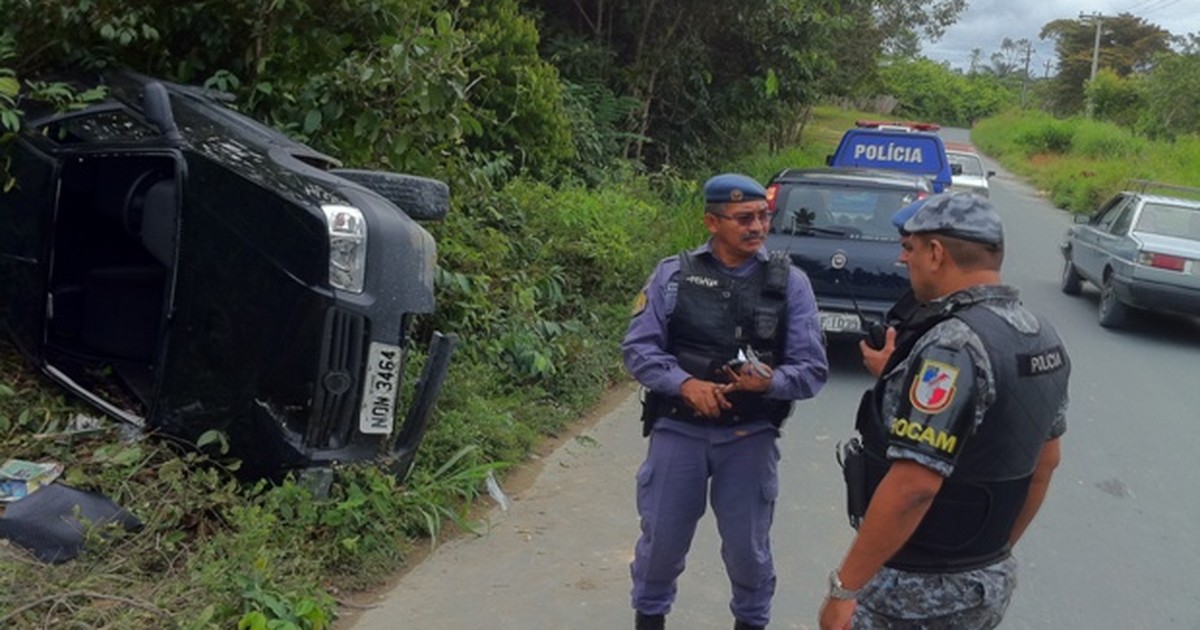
(732, 187)
(959, 214)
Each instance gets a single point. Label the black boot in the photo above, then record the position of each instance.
(649, 622)
(742, 625)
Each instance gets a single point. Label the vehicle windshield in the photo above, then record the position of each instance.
(839, 211)
(1167, 220)
(971, 165)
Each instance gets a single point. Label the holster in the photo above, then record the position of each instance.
(853, 460)
(650, 412)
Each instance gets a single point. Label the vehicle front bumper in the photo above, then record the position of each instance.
(837, 315)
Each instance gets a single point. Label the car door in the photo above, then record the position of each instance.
(1093, 239)
(24, 223)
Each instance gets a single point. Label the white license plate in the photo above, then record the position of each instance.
(378, 413)
(840, 322)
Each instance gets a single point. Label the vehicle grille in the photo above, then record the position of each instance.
(335, 401)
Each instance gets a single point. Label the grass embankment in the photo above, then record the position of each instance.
(1078, 163)
(537, 280)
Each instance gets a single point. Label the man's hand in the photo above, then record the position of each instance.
(836, 614)
(874, 360)
(748, 379)
(704, 397)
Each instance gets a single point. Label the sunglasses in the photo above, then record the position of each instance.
(746, 219)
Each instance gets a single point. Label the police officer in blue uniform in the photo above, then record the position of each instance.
(723, 338)
(960, 433)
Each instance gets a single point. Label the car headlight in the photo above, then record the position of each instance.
(347, 247)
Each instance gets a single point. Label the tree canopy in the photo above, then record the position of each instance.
(1128, 44)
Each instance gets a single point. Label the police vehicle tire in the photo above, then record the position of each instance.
(1072, 283)
(421, 198)
(1112, 313)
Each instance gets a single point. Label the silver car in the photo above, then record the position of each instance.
(968, 172)
(1142, 250)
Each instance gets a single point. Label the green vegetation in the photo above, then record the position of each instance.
(574, 137)
(925, 90)
(1080, 162)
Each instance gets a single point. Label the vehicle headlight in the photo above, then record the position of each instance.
(347, 247)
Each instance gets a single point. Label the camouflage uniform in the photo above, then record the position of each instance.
(897, 599)
(976, 598)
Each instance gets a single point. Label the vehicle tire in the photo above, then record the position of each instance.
(1072, 283)
(1112, 313)
(421, 198)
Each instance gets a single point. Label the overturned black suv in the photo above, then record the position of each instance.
(185, 268)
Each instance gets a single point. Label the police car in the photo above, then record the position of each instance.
(835, 224)
(909, 147)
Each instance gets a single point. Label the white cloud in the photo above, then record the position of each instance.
(985, 24)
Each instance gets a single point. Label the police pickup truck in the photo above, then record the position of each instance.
(909, 147)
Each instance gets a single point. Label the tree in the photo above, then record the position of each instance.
(1115, 99)
(1009, 61)
(711, 75)
(1128, 44)
(975, 59)
(1170, 95)
(927, 90)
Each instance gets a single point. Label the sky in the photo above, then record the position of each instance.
(985, 23)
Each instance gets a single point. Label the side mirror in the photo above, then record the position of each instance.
(1082, 218)
(829, 160)
(157, 105)
(990, 174)
(956, 169)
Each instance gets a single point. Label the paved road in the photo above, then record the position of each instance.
(1116, 545)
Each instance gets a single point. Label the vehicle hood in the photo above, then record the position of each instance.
(871, 272)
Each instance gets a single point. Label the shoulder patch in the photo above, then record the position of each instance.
(639, 303)
(933, 390)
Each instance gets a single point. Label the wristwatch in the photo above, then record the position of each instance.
(837, 591)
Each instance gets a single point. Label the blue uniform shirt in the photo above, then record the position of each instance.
(799, 374)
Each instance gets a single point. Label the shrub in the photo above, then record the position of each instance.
(1103, 140)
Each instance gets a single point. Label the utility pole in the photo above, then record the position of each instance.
(1046, 71)
(1025, 76)
(1099, 20)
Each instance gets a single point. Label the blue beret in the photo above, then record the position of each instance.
(733, 187)
(959, 214)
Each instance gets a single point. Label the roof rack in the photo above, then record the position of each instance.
(1142, 185)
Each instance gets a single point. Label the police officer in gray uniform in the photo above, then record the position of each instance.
(960, 434)
(723, 338)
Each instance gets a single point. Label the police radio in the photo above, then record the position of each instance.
(876, 332)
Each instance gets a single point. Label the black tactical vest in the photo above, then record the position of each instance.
(716, 315)
(972, 516)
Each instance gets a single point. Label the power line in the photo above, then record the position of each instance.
(1160, 7)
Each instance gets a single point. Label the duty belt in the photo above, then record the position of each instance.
(915, 560)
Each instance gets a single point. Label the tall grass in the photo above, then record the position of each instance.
(1077, 162)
